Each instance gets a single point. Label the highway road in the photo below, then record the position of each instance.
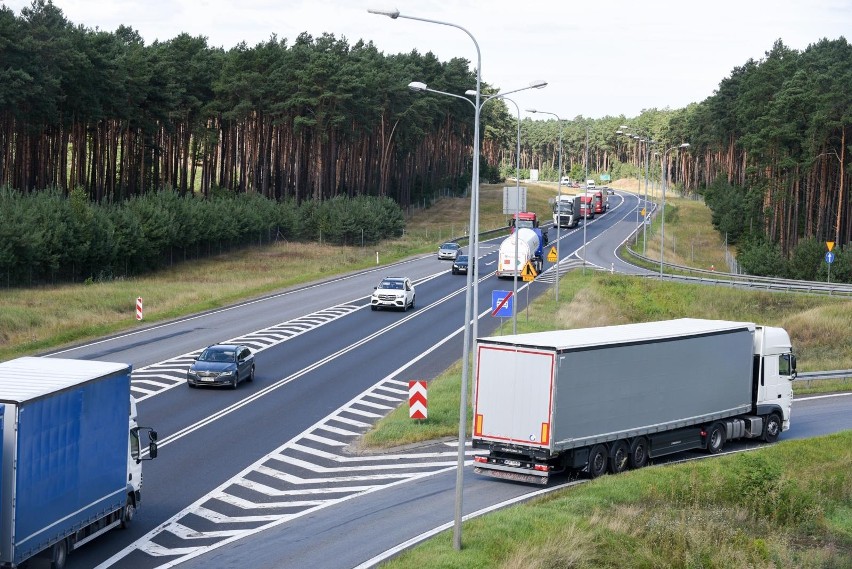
(265, 475)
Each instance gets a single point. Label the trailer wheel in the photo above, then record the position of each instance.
(59, 554)
(772, 428)
(638, 452)
(618, 457)
(597, 461)
(716, 438)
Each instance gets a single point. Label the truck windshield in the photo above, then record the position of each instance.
(565, 207)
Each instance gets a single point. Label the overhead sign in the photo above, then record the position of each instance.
(501, 303)
(552, 256)
(529, 273)
(829, 257)
(830, 245)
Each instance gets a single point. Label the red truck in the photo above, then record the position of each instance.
(526, 219)
(601, 203)
(587, 206)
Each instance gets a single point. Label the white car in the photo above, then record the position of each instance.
(393, 292)
(449, 250)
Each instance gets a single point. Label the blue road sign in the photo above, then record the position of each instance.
(829, 257)
(501, 303)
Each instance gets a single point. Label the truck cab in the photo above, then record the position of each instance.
(527, 219)
(566, 211)
(600, 201)
(587, 207)
(774, 372)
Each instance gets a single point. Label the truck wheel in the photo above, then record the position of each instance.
(373, 307)
(59, 555)
(716, 438)
(618, 455)
(772, 428)
(127, 514)
(597, 461)
(638, 452)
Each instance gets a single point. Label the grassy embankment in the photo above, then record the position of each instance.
(785, 505)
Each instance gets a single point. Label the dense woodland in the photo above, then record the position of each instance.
(104, 114)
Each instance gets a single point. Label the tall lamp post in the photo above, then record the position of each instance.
(471, 313)
(558, 201)
(646, 140)
(663, 218)
(471, 280)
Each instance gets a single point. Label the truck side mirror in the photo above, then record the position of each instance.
(152, 450)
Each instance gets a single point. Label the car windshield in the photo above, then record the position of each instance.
(450, 246)
(462, 259)
(391, 284)
(217, 355)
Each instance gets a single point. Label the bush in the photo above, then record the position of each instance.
(47, 237)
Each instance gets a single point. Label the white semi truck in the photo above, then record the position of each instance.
(566, 211)
(611, 398)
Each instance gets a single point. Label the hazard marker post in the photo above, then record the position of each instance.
(417, 400)
(139, 308)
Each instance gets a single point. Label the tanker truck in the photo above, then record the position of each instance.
(606, 399)
(529, 247)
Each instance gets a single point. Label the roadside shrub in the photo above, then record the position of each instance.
(48, 237)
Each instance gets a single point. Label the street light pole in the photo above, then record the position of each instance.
(472, 281)
(663, 211)
(558, 202)
(471, 274)
(646, 140)
(517, 218)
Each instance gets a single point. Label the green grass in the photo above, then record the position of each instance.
(766, 509)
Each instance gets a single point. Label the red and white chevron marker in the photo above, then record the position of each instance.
(417, 399)
(139, 308)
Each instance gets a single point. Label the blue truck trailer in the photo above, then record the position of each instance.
(70, 458)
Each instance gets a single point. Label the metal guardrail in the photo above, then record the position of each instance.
(706, 276)
(816, 375)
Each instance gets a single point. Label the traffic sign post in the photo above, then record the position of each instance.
(829, 258)
(501, 303)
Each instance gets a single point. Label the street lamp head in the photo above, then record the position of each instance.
(684, 145)
(417, 86)
(538, 84)
(393, 14)
(470, 92)
(531, 111)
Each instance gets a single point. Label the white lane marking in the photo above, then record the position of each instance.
(377, 476)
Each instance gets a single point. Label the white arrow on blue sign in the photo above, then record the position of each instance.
(501, 303)
(829, 257)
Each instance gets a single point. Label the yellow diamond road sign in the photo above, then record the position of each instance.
(551, 257)
(830, 245)
(528, 272)
(643, 211)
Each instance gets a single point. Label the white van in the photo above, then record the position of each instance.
(590, 184)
